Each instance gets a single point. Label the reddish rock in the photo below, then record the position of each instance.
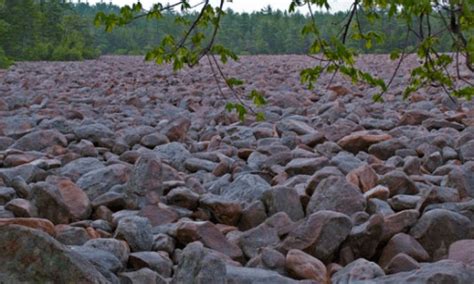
(303, 266)
(34, 223)
(361, 140)
(401, 263)
(363, 177)
(380, 192)
(403, 243)
(158, 216)
(399, 222)
(209, 235)
(75, 198)
(21, 208)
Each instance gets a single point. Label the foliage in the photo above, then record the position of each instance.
(46, 30)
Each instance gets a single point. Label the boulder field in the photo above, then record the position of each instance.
(119, 171)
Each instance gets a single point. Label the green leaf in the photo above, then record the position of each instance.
(234, 82)
(260, 116)
(257, 98)
(394, 55)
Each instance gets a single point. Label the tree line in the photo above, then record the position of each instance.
(52, 30)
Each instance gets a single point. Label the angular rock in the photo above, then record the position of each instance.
(152, 260)
(69, 235)
(93, 132)
(76, 199)
(365, 238)
(283, 199)
(136, 231)
(174, 154)
(269, 259)
(437, 229)
(199, 265)
(360, 270)
(40, 140)
(336, 194)
(403, 243)
(398, 183)
(363, 177)
(76, 168)
(144, 275)
(259, 237)
(183, 197)
(224, 211)
(118, 248)
(99, 181)
(21, 208)
(320, 234)
(305, 166)
(399, 222)
(106, 263)
(246, 188)
(209, 235)
(401, 263)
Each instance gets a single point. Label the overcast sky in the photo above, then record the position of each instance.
(239, 5)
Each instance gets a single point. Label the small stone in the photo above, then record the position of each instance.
(303, 266)
(283, 199)
(399, 222)
(252, 215)
(361, 140)
(118, 248)
(153, 260)
(403, 202)
(363, 177)
(401, 263)
(380, 192)
(21, 208)
(136, 231)
(224, 211)
(433, 161)
(438, 229)
(402, 243)
(398, 183)
(209, 235)
(144, 275)
(69, 235)
(320, 234)
(345, 197)
(6, 194)
(305, 166)
(163, 242)
(359, 270)
(183, 197)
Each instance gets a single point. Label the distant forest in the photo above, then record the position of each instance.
(38, 30)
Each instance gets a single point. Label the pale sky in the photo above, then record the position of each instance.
(238, 5)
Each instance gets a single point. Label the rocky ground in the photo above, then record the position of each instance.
(124, 172)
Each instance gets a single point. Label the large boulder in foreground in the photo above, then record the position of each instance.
(29, 255)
